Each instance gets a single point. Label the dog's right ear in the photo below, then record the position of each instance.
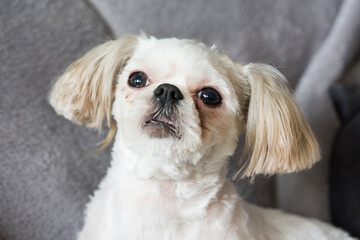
(85, 92)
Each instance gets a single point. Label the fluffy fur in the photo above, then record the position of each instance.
(174, 186)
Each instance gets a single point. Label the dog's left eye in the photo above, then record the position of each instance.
(138, 80)
(210, 97)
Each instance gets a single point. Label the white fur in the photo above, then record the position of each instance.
(176, 188)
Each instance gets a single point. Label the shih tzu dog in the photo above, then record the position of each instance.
(176, 109)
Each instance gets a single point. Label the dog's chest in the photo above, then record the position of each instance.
(148, 210)
(165, 218)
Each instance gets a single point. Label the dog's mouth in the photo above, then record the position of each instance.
(160, 125)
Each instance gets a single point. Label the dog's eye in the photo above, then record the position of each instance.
(138, 80)
(210, 97)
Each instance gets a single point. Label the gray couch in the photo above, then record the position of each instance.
(48, 168)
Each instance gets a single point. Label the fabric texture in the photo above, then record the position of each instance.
(344, 172)
(47, 167)
(306, 193)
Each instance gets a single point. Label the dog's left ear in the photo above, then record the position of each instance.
(278, 138)
(85, 92)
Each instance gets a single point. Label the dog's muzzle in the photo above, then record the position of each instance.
(162, 122)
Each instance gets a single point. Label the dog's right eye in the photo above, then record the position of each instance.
(138, 80)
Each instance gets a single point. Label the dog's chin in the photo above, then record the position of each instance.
(161, 127)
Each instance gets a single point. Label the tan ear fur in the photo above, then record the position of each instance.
(85, 92)
(278, 138)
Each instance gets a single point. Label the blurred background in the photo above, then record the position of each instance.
(48, 168)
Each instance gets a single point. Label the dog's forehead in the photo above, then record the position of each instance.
(167, 58)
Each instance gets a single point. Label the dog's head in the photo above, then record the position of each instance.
(186, 104)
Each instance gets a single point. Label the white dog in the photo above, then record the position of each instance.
(177, 109)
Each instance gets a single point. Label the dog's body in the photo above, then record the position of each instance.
(126, 207)
(180, 108)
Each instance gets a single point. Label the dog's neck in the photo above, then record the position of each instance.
(144, 190)
(174, 175)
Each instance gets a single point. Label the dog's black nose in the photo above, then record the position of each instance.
(168, 94)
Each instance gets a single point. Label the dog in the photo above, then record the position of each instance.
(176, 109)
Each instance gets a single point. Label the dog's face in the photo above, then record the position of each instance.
(170, 97)
(186, 104)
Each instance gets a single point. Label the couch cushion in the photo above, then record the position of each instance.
(47, 167)
(279, 32)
